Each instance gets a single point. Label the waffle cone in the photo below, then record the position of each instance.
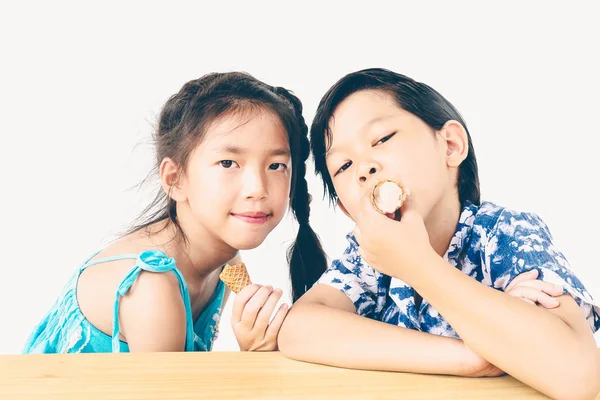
(397, 202)
(235, 277)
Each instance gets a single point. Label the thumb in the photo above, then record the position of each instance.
(366, 212)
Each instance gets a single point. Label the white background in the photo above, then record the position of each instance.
(81, 86)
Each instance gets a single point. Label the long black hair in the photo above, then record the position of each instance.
(181, 127)
(415, 97)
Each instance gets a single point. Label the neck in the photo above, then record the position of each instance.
(203, 252)
(441, 223)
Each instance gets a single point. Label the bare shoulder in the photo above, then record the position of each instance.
(152, 315)
(152, 300)
(97, 287)
(155, 288)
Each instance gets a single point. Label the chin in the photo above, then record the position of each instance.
(246, 243)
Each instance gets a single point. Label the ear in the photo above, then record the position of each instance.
(454, 135)
(341, 206)
(170, 175)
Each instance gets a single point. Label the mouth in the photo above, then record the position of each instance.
(256, 218)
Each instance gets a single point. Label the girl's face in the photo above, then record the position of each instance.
(372, 138)
(237, 181)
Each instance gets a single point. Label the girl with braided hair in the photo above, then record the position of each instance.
(230, 155)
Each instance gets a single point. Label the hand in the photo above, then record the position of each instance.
(528, 288)
(252, 309)
(395, 248)
(476, 367)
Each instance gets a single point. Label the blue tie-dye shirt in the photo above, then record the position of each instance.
(491, 244)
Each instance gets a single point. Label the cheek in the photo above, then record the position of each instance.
(349, 194)
(420, 159)
(279, 191)
(207, 188)
(429, 178)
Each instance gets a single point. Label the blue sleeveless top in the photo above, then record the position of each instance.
(65, 329)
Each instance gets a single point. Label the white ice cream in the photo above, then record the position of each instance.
(388, 197)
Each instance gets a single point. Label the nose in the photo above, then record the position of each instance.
(255, 185)
(367, 169)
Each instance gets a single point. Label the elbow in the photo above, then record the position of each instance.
(288, 335)
(583, 383)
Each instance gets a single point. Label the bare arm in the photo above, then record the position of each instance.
(323, 327)
(551, 350)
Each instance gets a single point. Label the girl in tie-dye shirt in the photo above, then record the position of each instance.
(436, 287)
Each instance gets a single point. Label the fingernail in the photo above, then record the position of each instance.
(558, 287)
(284, 306)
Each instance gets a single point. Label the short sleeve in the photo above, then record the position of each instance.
(356, 279)
(521, 242)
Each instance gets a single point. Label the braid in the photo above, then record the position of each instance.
(306, 257)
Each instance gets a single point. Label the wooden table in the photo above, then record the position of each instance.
(228, 375)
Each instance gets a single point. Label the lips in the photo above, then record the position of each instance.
(253, 217)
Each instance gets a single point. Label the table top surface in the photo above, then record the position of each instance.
(228, 375)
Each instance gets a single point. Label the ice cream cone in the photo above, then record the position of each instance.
(235, 277)
(388, 196)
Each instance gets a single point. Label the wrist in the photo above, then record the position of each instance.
(468, 361)
(458, 359)
(423, 269)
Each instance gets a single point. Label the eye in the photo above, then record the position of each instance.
(278, 166)
(343, 168)
(227, 163)
(385, 138)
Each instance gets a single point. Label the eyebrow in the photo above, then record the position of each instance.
(241, 150)
(374, 121)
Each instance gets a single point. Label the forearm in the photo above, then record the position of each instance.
(321, 334)
(528, 342)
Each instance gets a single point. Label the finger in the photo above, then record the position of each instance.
(275, 325)
(532, 274)
(254, 305)
(535, 296)
(262, 319)
(366, 214)
(408, 209)
(546, 301)
(240, 301)
(546, 287)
